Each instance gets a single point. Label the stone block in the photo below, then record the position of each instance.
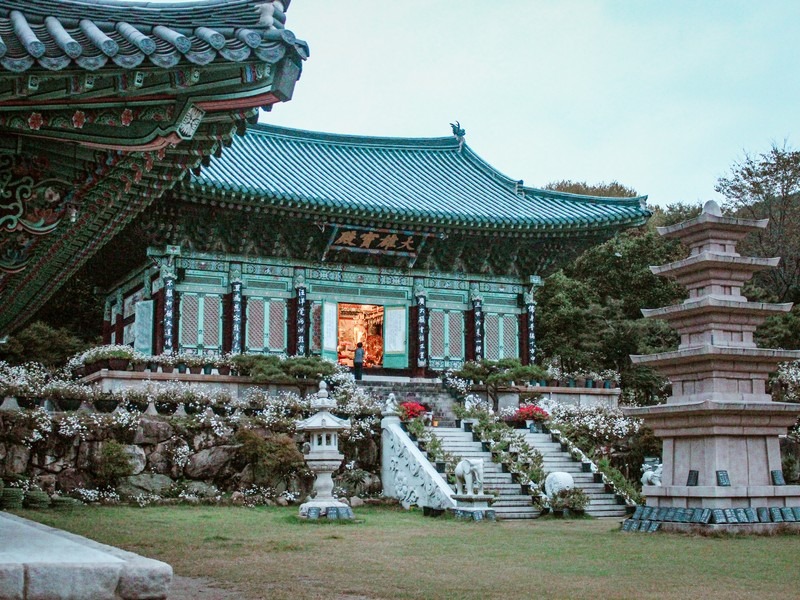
(72, 581)
(144, 579)
(12, 581)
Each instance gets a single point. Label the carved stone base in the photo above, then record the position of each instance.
(473, 501)
(321, 509)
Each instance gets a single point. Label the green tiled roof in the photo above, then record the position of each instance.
(425, 182)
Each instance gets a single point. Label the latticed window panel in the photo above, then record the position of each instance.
(316, 327)
(436, 333)
(212, 312)
(455, 322)
(510, 336)
(491, 336)
(190, 319)
(277, 325)
(255, 323)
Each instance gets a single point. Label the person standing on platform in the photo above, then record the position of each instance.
(358, 361)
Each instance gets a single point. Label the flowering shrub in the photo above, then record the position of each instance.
(598, 425)
(22, 380)
(531, 412)
(411, 410)
(789, 377)
(456, 385)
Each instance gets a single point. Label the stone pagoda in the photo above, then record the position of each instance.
(720, 427)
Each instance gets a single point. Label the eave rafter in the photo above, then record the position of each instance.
(120, 106)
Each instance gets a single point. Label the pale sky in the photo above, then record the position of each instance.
(662, 96)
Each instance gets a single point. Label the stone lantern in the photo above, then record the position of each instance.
(323, 456)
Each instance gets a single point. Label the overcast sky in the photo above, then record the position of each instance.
(661, 96)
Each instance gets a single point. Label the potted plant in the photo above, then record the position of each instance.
(221, 402)
(104, 402)
(576, 501)
(135, 399)
(66, 395)
(222, 362)
(533, 416)
(140, 361)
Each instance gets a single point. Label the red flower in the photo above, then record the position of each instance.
(35, 121)
(411, 410)
(78, 119)
(531, 413)
(126, 117)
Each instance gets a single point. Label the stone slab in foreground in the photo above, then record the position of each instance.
(42, 563)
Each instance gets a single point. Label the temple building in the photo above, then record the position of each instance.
(105, 105)
(298, 242)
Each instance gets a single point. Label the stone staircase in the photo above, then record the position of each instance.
(431, 394)
(511, 503)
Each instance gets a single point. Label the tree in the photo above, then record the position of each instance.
(767, 186)
(612, 190)
(39, 342)
(497, 373)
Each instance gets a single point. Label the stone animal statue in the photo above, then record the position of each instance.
(557, 481)
(469, 476)
(652, 476)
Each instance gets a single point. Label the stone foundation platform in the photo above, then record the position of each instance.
(38, 562)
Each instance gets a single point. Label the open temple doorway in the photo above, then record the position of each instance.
(360, 323)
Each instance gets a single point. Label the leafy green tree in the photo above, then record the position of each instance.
(767, 186)
(39, 342)
(496, 373)
(613, 189)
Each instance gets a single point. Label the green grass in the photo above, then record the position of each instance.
(390, 553)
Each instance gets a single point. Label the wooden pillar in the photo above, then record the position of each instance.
(119, 326)
(107, 323)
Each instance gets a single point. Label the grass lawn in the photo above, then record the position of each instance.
(390, 553)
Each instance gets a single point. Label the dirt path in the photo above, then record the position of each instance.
(190, 588)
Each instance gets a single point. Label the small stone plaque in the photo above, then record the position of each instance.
(796, 511)
(654, 525)
(776, 515)
(718, 516)
(657, 513)
(313, 512)
(678, 518)
(662, 513)
(333, 513)
(644, 525)
(637, 514)
(627, 524)
(751, 515)
(741, 516)
(693, 478)
(490, 515)
(723, 480)
(788, 514)
(730, 515)
(697, 516)
(647, 513)
(763, 515)
(477, 515)
(777, 477)
(671, 513)
(705, 516)
(688, 515)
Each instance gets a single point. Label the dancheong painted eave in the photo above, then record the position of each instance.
(424, 182)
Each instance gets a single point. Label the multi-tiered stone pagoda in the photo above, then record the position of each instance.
(720, 427)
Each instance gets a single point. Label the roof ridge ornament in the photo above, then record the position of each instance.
(459, 132)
